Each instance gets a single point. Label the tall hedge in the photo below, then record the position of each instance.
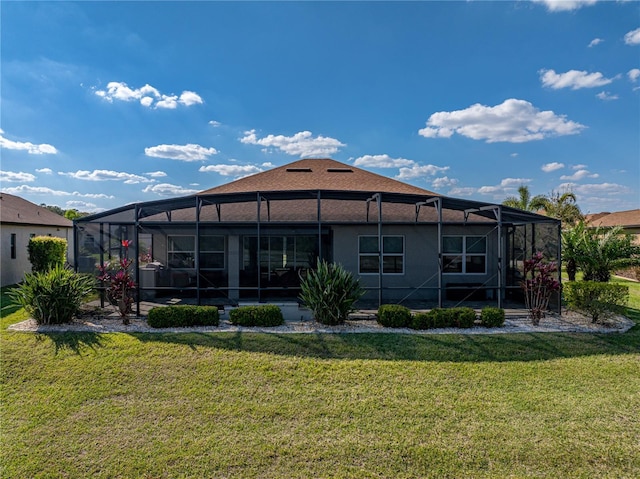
(46, 252)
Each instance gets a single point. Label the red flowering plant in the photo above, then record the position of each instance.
(539, 284)
(119, 283)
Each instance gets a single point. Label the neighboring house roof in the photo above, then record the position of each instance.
(317, 174)
(16, 210)
(626, 219)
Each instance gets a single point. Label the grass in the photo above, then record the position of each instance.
(298, 406)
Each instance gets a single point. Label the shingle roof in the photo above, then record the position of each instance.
(17, 210)
(317, 174)
(629, 218)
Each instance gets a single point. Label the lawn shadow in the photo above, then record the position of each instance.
(415, 347)
(77, 342)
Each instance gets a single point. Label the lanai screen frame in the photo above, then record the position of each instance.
(499, 215)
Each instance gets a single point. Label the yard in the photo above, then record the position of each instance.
(299, 406)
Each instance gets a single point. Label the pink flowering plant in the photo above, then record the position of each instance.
(539, 284)
(119, 283)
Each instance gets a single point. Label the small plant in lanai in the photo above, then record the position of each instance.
(119, 283)
(539, 284)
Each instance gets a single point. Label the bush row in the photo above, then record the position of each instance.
(263, 315)
(397, 316)
(183, 316)
(598, 300)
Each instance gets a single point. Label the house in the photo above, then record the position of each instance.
(628, 220)
(254, 238)
(21, 220)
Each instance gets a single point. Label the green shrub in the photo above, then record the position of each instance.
(598, 300)
(492, 317)
(53, 296)
(330, 292)
(184, 315)
(394, 316)
(462, 317)
(422, 320)
(46, 252)
(263, 315)
(444, 318)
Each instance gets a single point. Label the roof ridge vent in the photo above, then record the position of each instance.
(339, 170)
(299, 170)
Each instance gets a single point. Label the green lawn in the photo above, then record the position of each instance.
(300, 406)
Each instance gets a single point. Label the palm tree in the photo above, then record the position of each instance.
(563, 206)
(524, 201)
(572, 240)
(603, 250)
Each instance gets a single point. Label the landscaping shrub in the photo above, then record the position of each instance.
(330, 292)
(53, 296)
(263, 315)
(598, 300)
(462, 317)
(492, 317)
(422, 320)
(180, 316)
(46, 252)
(394, 316)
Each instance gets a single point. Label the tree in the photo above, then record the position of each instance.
(563, 206)
(524, 201)
(56, 209)
(571, 248)
(603, 250)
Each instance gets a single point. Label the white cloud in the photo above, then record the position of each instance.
(609, 189)
(579, 175)
(633, 37)
(106, 175)
(443, 182)
(148, 96)
(16, 177)
(573, 79)
(188, 98)
(156, 174)
(595, 41)
(84, 206)
(31, 148)
(301, 144)
(465, 191)
(215, 123)
(565, 5)
(579, 167)
(189, 152)
(167, 189)
(506, 186)
(634, 74)
(418, 171)
(42, 190)
(268, 164)
(231, 170)
(514, 121)
(46, 171)
(606, 96)
(382, 161)
(549, 167)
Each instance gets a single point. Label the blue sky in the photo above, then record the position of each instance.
(110, 103)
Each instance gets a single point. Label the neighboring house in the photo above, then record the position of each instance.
(20, 220)
(254, 238)
(629, 221)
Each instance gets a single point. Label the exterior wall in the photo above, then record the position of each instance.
(13, 270)
(420, 279)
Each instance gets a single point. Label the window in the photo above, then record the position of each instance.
(211, 252)
(392, 255)
(464, 254)
(181, 251)
(13, 246)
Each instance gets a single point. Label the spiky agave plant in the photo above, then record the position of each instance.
(330, 292)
